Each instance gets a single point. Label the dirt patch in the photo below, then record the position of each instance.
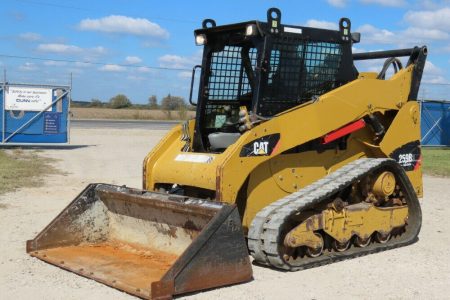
(3, 206)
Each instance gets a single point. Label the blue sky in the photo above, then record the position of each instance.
(144, 33)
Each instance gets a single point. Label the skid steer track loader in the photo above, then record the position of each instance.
(294, 156)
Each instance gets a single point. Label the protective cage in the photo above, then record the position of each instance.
(298, 71)
(267, 67)
(148, 244)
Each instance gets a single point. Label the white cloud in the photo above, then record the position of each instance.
(144, 70)
(112, 68)
(321, 24)
(133, 60)
(372, 35)
(97, 50)
(337, 3)
(30, 36)
(28, 66)
(432, 69)
(124, 25)
(431, 74)
(416, 34)
(436, 79)
(403, 38)
(174, 61)
(370, 65)
(64, 49)
(180, 62)
(392, 3)
(59, 48)
(437, 19)
(433, 5)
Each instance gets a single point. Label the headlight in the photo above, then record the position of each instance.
(250, 30)
(200, 39)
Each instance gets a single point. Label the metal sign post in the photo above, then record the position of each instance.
(3, 108)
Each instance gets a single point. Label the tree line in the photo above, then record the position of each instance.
(168, 103)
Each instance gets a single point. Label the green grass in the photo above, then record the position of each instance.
(436, 161)
(22, 168)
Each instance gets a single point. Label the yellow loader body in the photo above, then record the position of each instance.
(275, 176)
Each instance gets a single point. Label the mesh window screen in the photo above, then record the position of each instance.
(228, 83)
(228, 79)
(299, 70)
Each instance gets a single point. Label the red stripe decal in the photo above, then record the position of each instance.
(275, 149)
(343, 131)
(418, 163)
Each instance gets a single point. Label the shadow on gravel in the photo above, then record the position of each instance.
(46, 147)
(211, 289)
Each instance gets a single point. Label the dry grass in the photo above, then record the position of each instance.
(129, 114)
(20, 168)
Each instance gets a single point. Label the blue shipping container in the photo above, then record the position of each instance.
(435, 117)
(45, 125)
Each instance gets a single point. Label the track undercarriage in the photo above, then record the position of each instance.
(360, 209)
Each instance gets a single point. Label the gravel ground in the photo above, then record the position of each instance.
(420, 271)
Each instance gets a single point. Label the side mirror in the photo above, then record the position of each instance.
(192, 83)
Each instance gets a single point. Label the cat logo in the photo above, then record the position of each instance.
(260, 148)
(263, 146)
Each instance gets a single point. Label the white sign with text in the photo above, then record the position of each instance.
(27, 98)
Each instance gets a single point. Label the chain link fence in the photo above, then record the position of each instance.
(435, 114)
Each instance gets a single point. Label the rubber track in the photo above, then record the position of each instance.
(265, 231)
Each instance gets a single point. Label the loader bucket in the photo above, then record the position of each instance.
(148, 244)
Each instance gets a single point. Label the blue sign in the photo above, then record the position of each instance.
(52, 122)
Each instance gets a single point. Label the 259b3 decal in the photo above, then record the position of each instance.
(408, 155)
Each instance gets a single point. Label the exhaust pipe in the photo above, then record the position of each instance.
(148, 244)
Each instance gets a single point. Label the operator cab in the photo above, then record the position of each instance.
(256, 70)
